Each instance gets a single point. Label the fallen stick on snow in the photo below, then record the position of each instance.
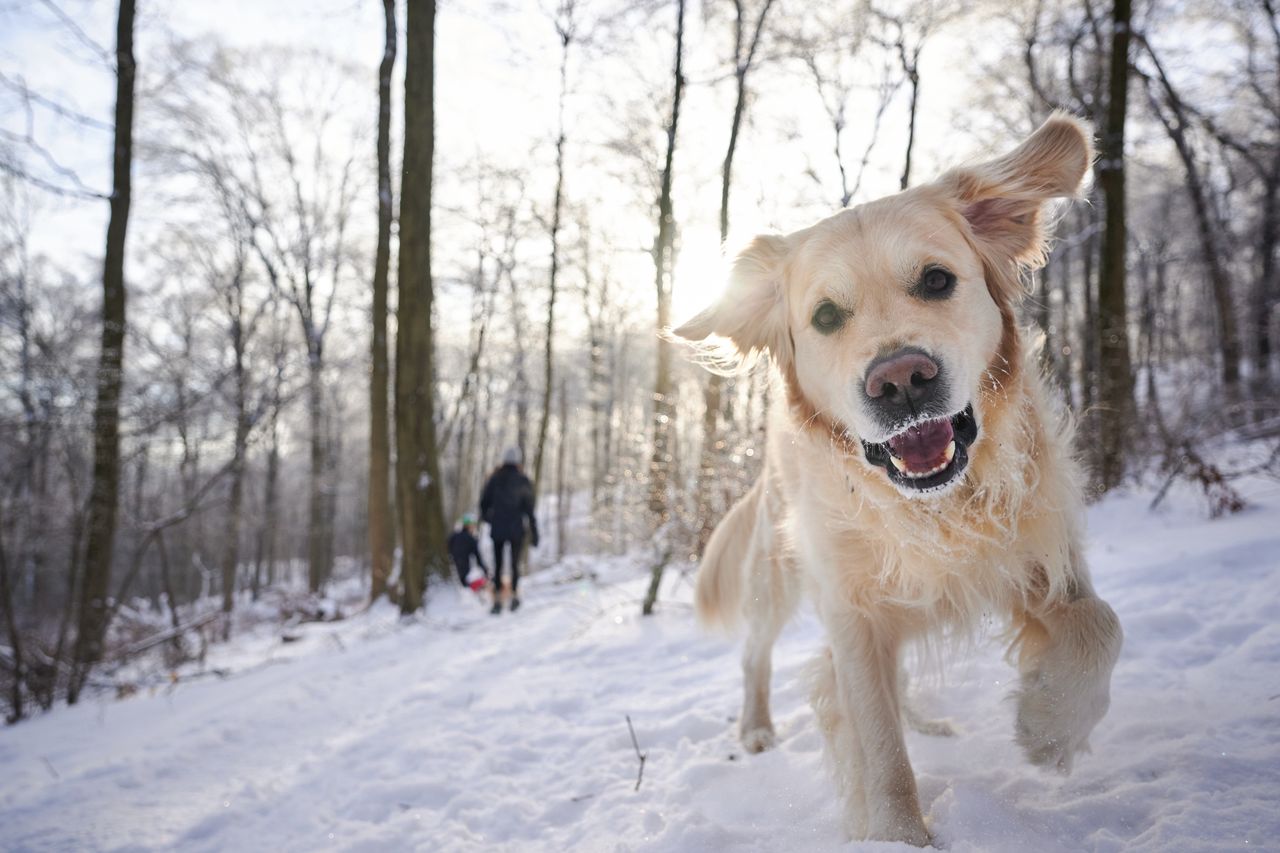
(640, 755)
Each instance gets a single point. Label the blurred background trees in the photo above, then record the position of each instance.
(555, 162)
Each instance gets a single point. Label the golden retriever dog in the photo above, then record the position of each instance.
(916, 476)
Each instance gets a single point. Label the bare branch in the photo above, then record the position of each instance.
(19, 87)
(640, 755)
(103, 55)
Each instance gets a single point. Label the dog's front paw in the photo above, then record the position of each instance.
(758, 739)
(1056, 715)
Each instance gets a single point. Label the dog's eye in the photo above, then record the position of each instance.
(936, 283)
(827, 317)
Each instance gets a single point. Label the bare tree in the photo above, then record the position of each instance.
(104, 498)
(381, 526)
(664, 259)
(1173, 116)
(828, 45)
(746, 44)
(422, 527)
(301, 242)
(240, 327)
(1116, 379)
(909, 29)
(566, 31)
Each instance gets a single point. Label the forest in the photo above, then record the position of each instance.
(278, 285)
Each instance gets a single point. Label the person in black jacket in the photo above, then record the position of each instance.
(463, 545)
(505, 503)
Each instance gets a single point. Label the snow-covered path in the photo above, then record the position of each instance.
(465, 732)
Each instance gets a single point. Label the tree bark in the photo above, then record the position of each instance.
(15, 636)
(231, 552)
(1063, 265)
(268, 535)
(1116, 376)
(562, 483)
(1089, 330)
(421, 509)
(664, 251)
(1267, 288)
(104, 496)
(913, 77)
(381, 529)
(317, 566)
(1044, 314)
(565, 31)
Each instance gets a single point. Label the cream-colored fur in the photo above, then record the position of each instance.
(884, 566)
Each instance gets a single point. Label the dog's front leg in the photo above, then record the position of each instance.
(1066, 654)
(865, 661)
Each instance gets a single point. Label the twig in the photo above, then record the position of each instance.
(640, 755)
(165, 636)
(72, 27)
(1164, 489)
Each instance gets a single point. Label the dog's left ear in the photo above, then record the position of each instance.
(1003, 200)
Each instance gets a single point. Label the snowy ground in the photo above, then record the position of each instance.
(464, 732)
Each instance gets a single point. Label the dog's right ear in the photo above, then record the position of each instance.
(752, 311)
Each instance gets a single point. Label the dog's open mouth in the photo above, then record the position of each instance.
(928, 454)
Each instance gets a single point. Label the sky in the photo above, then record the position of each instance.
(496, 86)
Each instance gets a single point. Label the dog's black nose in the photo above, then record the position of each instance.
(902, 384)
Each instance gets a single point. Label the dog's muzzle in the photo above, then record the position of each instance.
(928, 454)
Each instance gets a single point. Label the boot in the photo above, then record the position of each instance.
(515, 603)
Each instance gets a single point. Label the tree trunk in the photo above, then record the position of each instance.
(269, 534)
(709, 468)
(15, 636)
(664, 251)
(913, 75)
(317, 567)
(520, 385)
(381, 530)
(1044, 315)
(332, 465)
(94, 607)
(1066, 351)
(231, 552)
(562, 484)
(1265, 301)
(422, 527)
(1089, 332)
(1116, 378)
(565, 31)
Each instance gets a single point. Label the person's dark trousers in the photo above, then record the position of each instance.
(514, 546)
(464, 568)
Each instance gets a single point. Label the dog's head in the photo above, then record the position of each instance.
(893, 322)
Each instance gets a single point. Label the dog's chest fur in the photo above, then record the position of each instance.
(998, 541)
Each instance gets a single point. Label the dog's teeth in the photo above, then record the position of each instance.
(947, 456)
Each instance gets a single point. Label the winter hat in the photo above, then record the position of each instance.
(512, 456)
(467, 519)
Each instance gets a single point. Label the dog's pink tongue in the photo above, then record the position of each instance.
(923, 445)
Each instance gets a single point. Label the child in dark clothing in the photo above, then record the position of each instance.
(463, 545)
